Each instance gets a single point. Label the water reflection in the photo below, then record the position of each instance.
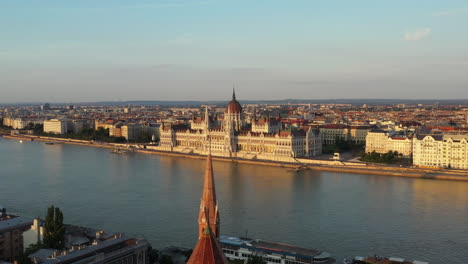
(158, 197)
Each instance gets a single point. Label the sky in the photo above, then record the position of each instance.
(119, 50)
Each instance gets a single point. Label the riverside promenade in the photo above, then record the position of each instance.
(298, 164)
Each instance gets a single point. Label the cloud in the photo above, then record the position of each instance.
(418, 34)
(446, 13)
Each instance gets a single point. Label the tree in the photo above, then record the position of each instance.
(54, 229)
(256, 260)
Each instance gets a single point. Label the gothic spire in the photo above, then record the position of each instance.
(209, 207)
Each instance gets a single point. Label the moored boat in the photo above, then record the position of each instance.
(118, 151)
(381, 260)
(240, 248)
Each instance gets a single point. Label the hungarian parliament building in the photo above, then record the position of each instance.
(231, 136)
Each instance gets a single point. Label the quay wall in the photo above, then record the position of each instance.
(298, 164)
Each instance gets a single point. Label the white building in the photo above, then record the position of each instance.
(353, 133)
(15, 123)
(56, 126)
(441, 150)
(384, 141)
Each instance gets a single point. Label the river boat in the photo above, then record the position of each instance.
(240, 248)
(118, 151)
(381, 260)
(53, 143)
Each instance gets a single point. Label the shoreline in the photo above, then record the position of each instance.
(381, 170)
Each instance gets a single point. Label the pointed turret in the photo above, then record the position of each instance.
(208, 207)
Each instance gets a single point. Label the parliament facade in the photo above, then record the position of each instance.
(231, 136)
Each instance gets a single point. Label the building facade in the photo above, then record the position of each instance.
(56, 126)
(383, 141)
(15, 123)
(11, 235)
(231, 137)
(441, 151)
(353, 133)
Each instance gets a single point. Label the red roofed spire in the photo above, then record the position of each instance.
(208, 205)
(207, 250)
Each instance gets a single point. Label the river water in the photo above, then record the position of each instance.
(157, 197)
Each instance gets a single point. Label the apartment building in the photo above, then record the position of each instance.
(56, 126)
(382, 141)
(441, 150)
(11, 235)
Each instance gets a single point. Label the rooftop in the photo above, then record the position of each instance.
(14, 223)
(106, 246)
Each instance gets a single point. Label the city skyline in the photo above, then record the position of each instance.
(88, 51)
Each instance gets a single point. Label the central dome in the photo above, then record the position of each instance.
(234, 106)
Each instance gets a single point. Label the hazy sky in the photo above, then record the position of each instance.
(92, 50)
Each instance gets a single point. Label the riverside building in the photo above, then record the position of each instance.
(233, 137)
(353, 133)
(441, 150)
(384, 141)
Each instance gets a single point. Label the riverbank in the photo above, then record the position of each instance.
(348, 167)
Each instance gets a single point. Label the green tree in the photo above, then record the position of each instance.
(54, 229)
(256, 260)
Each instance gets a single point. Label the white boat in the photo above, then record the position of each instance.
(237, 248)
(384, 260)
(118, 151)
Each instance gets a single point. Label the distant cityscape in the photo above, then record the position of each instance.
(422, 135)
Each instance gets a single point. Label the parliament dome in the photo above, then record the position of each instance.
(234, 107)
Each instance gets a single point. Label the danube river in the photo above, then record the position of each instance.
(157, 197)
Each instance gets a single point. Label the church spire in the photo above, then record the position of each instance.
(208, 207)
(233, 93)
